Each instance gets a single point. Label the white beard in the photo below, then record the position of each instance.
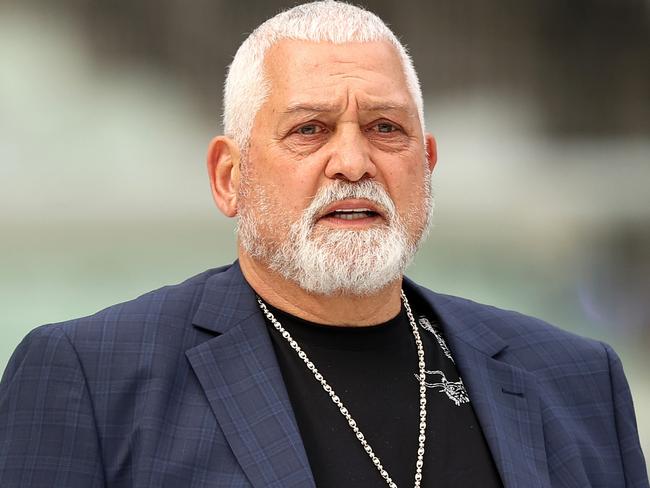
(337, 261)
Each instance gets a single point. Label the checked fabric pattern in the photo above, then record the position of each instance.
(181, 388)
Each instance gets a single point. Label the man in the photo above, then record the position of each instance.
(311, 361)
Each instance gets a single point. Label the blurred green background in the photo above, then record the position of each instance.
(541, 110)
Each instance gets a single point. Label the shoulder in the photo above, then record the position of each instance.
(170, 307)
(159, 321)
(586, 405)
(124, 349)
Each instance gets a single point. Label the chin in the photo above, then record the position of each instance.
(356, 266)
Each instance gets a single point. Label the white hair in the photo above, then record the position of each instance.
(337, 261)
(246, 87)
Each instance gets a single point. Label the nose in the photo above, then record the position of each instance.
(350, 158)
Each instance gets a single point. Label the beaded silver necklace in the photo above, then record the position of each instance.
(344, 411)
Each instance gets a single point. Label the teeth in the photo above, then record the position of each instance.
(351, 210)
(354, 214)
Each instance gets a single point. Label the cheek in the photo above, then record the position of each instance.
(402, 181)
(289, 192)
(406, 187)
(296, 184)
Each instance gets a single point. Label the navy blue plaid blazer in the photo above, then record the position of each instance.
(181, 388)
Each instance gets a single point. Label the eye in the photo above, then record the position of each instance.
(384, 127)
(309, 129)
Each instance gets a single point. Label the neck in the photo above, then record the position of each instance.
(340, 309)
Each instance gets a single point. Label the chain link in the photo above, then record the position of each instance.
(344, 411)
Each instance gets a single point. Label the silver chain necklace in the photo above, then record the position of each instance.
(344, 411)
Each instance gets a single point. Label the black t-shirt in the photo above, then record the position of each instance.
(374, 372)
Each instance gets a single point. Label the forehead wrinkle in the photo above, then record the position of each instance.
(347, 76)
(384, 107)
(311, 107)
(326, 108)
(361, 103)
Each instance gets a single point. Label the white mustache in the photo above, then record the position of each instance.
(344, 190)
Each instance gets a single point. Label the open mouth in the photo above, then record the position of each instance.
(358, 213)
(353, 214)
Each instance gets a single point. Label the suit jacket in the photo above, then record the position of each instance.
(181, 388)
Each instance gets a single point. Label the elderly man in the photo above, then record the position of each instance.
(311, 361)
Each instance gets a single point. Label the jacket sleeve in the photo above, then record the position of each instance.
(48, 434)
(628, 438)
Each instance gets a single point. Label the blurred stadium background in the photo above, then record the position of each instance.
(541, 110)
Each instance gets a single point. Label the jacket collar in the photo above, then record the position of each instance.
(504, 396)
(244, 386)
(227, 301)
(455, 321)
(243, 383)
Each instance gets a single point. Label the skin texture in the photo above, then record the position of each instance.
(335, 111)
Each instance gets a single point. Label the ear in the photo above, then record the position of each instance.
(432, 150)
(223, 171)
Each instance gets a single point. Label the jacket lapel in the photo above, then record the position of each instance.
(504, 397)
(243, 383)
(244, 386)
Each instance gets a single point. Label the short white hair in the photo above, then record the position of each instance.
(247, 87)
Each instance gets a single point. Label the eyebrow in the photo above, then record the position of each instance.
(328, 107)
(309, 107)
(385, 107)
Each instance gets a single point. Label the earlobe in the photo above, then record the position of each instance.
(432, 151)
(223, 171)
